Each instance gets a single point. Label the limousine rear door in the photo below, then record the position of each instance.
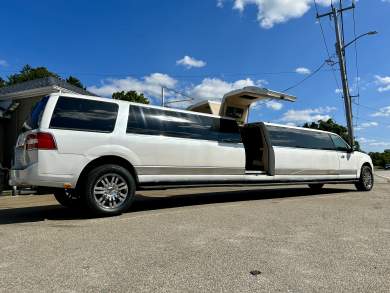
(302, 154)
(175, 143)
(235, 104)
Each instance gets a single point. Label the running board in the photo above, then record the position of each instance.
(157, 186)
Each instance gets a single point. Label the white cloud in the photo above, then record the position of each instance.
(216, 88)
(208, 88)
(383, 82)
(303, 70)
(308, 115)
(271, 12)
(383, 112)
(373, 142)
(274, 105)
(149, 85)
(220, 3)
(367, 125)
(3, 63)
(189, 62)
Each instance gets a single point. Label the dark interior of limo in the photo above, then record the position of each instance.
(256, 150)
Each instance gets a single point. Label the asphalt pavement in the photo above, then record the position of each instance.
(287, 239)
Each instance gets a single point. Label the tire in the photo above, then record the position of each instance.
(109, 190)
(366, 180)
(67, 198)
(316, 186)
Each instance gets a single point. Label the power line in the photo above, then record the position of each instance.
(325, 43)
(306, 78)
(357, 81)
(138, 75)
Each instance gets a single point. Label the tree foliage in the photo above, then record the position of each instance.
(331, 126)
(75, 81)
(380, 159)
(30, 73)
(2, 82)
(130, 96)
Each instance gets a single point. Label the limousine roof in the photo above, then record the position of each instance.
(297, 127)
(119, 102)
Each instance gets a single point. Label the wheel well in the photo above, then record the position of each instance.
(367, 164)
(107, 160)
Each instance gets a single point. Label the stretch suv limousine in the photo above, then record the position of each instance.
(96, 152)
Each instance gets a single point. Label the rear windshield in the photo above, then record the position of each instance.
(35, 117)
(84, 115)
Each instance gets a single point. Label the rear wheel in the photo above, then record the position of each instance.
(366, 181)
(109, 190)
(316, 186)
(67, 198)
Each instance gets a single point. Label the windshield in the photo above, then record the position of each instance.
(35, 117)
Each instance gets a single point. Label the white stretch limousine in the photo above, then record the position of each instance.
(97, 152)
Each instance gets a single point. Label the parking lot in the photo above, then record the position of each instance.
(232, 239)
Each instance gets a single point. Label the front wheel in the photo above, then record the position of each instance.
(366, 181)
(109, 190)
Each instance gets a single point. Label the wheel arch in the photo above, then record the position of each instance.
(365, 163)
(109, 159)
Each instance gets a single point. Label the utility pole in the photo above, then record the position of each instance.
(162, 96)
(343, 70)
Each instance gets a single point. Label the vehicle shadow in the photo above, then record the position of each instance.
(148, 203)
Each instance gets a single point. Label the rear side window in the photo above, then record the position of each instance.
(289, 137)
(35, 117)
(177, 124)
(84, 115)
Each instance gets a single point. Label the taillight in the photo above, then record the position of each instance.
(40, 141)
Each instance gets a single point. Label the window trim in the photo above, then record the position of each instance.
(181, 135)
(302, 131)
(81, 129)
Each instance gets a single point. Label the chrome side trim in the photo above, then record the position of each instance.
(314, 172)
(164, 170)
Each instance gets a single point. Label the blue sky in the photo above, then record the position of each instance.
(141, 45)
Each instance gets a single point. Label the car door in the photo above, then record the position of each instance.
(177, 143)
(347, 158)
(303, 154)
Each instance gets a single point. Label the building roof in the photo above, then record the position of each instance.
(41, 86)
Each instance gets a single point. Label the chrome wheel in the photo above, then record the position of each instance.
(110, 191)
(367, 179)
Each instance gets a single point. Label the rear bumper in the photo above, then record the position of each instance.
(31, 176)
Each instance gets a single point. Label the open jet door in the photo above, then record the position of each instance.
(235, 104)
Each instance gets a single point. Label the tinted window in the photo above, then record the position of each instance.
(35, 117)
(340, 143)
(155, 121)
(84, 115)
(229, 131)
(289, 137)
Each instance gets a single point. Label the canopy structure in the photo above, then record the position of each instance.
(236, 104)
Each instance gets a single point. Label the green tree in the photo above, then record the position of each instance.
(29, 73)
(75, 81)
(2, 82)
(331, 126)
(380, 159)
(130, 96)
